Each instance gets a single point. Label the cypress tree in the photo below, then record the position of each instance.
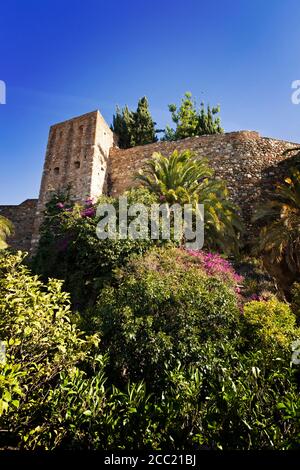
(122, 126)
(134, 128)
(144, 132)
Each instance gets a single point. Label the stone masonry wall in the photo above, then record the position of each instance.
(76, 157)
(22, 216)
(82, 152)
(247, 161)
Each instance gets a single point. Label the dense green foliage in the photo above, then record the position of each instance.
(280, 232)
(183, 178)
(281, 222)
(193, 122)
(161, 309)
(162, 319)
(143, 344)
(277, 328)
(40, 342)
(138, 128)
(134, 127)
(69, 248)
(6, 229)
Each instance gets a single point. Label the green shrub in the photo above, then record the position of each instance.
(69, 248)
(270, 324)
(235, 401)
(162, 320)
(81, 411)
(161, 308)
(39, 338)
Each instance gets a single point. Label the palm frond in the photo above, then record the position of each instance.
(184, 178)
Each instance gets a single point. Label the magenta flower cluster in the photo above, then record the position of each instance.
(215, 265)
(88, 212)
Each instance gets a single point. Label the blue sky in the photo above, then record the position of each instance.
(64, 58)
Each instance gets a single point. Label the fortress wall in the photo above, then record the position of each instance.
(82, 152)
(247, 161)
(22, 216)
(76, 157)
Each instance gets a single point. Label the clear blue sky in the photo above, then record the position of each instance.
(64, 58)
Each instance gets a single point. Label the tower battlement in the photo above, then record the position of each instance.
(76, 158)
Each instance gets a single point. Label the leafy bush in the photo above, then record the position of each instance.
(69, 248)
(279, 238)
(235, 401)
(84, 412)
(270, 324)
(161, 308)
(163, 320)
(39, 338)
(215, 265)
(53, 391)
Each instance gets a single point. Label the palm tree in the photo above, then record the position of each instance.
(280, 217)
(183, 178)
(6, 229)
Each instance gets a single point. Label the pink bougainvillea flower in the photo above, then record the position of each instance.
(89, 212)
(215, 265)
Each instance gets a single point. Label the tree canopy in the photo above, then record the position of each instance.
(134, 127)
(191, 121)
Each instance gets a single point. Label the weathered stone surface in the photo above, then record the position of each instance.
(22, 217)
(76, 157)
(248, 163)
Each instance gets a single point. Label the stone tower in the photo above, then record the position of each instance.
(77, 156)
